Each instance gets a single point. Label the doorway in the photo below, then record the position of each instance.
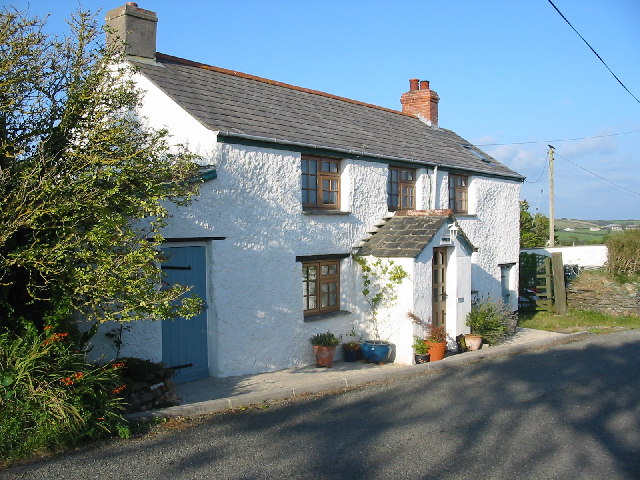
(439, 287)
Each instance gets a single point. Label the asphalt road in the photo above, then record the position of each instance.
(569, 412)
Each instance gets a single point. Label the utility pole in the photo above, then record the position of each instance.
(552, 213)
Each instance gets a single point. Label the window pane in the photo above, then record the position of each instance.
(324, 288)
(312, 272)
(325, 300)
(329, 198)
(305, 166)
(333, 299)
(333, 269)
(312, 303)
(313, 166)
(324, 269)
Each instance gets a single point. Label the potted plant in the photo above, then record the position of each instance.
(435, 337)
(421, 350)
(379, 279)
(324, 346)
(351, 346)
(490, 320)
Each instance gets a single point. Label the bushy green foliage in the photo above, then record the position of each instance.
(491, 319)
(84, 183)
(534, 229)
(419, 347)
(624, 253)
(327, 339)
(50, 396)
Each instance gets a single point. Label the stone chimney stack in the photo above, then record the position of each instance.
(421, 101)
(136, 28)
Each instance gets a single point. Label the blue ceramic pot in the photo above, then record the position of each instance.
(375, 351)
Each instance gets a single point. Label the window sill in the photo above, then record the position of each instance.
(470, 216)
(326, 316)
(320, 211)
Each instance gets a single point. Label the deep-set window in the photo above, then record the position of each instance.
(458, 193)
(320, 182)
(321, 286)
(401, 189)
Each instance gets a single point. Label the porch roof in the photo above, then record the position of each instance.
(405, 235)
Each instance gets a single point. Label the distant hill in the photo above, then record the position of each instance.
(583, 232)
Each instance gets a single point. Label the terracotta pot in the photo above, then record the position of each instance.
(324, 355)
(473, 342)
(436, 350)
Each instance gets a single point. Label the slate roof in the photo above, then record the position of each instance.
(405, 236)
(239, 104)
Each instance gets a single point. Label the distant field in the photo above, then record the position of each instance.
(582, 235)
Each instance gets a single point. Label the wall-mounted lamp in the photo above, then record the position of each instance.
(453, 231)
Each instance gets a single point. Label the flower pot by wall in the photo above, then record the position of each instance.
(473, 342)
(324, 355)
(375, 351)
(436, 350)
(421, 358)
(351, 352)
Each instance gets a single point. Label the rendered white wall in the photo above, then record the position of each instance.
(494, 230)
(255, 320)
(581, 255)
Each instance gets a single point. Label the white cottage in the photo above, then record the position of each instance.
(303, 180)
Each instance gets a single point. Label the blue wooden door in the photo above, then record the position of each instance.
(184, 342)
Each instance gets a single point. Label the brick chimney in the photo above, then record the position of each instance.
(421, 101)
(135, 27)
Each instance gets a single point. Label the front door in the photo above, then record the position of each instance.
(184, 342)
(439, 284)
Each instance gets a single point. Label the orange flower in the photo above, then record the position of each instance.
(78, 375)
(48, 327)
(66, 381)
(118, 365)
(119, 389)
(56, 337)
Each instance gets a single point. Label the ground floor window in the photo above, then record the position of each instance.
(321, 286)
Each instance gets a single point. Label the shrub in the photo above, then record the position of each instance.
(624, 253)
(327, 339)
(50, 396)
(493, 320)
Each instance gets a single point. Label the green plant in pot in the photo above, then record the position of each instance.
(324, 346)
(420, 350)
(435, 337)
(489, 319)
(380, 278)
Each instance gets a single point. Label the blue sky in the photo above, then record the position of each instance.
(506, 71)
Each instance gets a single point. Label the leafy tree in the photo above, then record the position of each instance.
(84, 184)
(534, 229)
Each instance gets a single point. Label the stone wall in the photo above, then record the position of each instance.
(604, 296)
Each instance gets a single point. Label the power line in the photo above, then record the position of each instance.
(596, 53)
(599, 176)
(544, 169)
(557, 140)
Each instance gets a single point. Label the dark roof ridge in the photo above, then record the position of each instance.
(164, 56)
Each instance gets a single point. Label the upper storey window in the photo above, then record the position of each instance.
(459, 193)
(401, 189)
(320, 182)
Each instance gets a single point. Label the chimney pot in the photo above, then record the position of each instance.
(135, 28)
(421, 102)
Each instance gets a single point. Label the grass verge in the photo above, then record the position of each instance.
(578, 320)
